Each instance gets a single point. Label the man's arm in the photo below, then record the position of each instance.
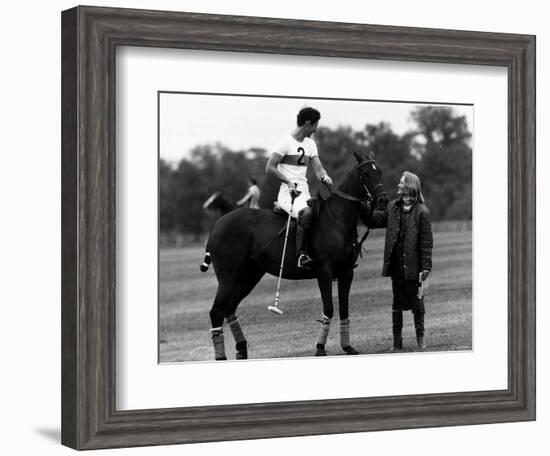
(320, 171)
(271, 168)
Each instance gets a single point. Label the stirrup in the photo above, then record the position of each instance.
(304, 261)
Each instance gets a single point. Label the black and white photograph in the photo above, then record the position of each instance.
(275, 228)
(306, 227)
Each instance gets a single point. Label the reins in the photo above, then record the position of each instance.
(355, 244)
(368, 199)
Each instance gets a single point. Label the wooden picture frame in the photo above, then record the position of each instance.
(90, 36)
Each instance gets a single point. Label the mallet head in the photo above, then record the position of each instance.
(275, 310)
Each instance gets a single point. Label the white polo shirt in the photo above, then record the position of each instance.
(296, 156)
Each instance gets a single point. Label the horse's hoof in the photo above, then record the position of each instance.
(221, 358)
(242, 351)
(320, 350)
(350, 350)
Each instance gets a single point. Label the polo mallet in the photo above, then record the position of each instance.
(275, 308)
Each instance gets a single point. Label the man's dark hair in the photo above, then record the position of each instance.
(254, 181)
(306, 114)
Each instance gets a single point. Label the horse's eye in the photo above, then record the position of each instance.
(373, 167)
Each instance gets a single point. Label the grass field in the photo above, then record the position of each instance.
(186, 296)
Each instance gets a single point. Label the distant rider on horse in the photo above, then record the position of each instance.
(251, 198)
(289, 163)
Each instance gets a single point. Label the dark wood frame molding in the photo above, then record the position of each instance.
(90, 36)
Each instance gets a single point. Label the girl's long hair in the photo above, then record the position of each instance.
(412, 181)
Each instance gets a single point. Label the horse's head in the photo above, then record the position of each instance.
(218, 204)
(370, 176)
(210, 203)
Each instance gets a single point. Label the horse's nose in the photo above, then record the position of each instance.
(382, 202)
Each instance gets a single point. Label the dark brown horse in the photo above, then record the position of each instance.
(245, 244)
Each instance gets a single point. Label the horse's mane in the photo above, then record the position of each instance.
(347, 178)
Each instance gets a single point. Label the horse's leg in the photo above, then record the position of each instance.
(344, 285)
(324, 279)
(217, 314)
(250, 279)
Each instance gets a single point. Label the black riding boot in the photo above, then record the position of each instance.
(304, 260)
(397, 327)
(419, 327)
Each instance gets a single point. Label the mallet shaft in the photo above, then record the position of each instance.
(275, 308)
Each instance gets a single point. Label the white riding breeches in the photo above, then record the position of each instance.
(300, 202)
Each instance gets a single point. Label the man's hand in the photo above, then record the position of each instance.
(326, 180)
(425, 275)
(293, 188)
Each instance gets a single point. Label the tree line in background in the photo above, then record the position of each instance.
(437, 149)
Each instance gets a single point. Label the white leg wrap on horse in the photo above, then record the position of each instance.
(206, 262)
(344, 333)
(323, 332)
(236, 329)
(218, 341)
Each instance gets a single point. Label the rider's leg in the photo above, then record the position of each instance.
(305, 219)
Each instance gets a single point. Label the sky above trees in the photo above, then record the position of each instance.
(242, 122)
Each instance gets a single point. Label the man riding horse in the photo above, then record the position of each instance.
(289, 164)
(245, 244)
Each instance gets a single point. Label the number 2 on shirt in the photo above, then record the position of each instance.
(301, 161)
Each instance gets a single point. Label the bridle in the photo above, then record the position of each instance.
(369, 197)
(366, 202)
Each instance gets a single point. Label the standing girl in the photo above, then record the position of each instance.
(407, 253)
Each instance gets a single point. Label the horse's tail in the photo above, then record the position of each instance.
(206, 261)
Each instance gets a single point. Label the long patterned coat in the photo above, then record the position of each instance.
(418, 238)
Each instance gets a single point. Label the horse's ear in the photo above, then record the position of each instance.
(357, 156)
